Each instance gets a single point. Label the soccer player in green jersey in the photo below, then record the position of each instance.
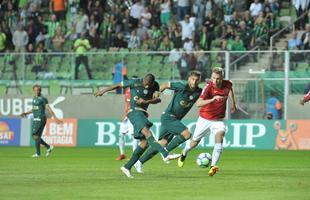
(143, 92)
(39, 104)
(185, 96)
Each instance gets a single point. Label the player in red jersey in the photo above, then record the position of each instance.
(212, 104)
(127, 128)
(305, 99)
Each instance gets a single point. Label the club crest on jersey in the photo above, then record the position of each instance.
(145, 91)
(191, 97)
(185, 104)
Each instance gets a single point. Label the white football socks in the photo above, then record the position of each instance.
(216, 154)
(121, 143)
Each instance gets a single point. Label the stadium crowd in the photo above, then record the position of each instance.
(138, 25)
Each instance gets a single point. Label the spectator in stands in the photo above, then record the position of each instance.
(156, 35)
(107, 28)
(176, 35)
(119, 73)
(142, 32)
(210, 24)
(81, 22)
(92, 24)
(294, 43)
(260, 33)
(81, 46)
(20, 39)
(166, 44)
(146, 17)
(198, 10)
(59, 7)
(234, 21)
(9, 37)
(245, 35)
(273, 24)
(94, 39)
(135, 14)
(248, 20)
(188, 45)
(51, 27)
(266, 8)
(165, 12)
(183, 8)
(134, 41)
(305, 35)
(58, 41)
(119, 42)
(209, 6)
(95, 8)
(301, 6)
(40, 60)
(275, 7)
(2, 40)
(221, 30)
(155, 11)
(274, 106)
(230, 33)
(237, 48)
(255, 8)
(187, 28)
(228, 11)
(203, 40)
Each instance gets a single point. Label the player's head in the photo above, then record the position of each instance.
(148, 81)
(37, 90)
(194, 79)
(217, 76)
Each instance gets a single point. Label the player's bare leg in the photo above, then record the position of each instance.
(217, 151)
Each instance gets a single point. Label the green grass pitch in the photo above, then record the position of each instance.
(92, 173)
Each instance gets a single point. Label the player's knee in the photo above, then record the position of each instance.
(186, 134)
(143, 144)
(35, 137)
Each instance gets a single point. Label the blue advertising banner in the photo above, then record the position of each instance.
(10, 132)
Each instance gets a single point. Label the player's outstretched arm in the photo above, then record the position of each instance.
(24, 114)
(58, 121)
(110, 88)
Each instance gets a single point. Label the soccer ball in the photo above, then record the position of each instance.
(203, 160)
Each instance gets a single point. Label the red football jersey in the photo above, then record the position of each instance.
(127, 100)
(215, 110)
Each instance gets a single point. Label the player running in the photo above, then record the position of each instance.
(212, 103)
(143, 92)
(185, 96)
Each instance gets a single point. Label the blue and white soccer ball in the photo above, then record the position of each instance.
(203, 160)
